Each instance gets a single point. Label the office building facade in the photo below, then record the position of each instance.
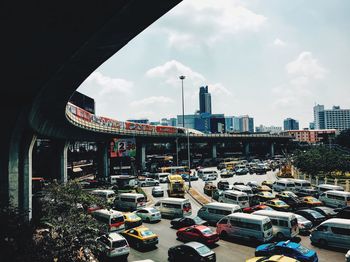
(335, 118)
(204, 100)
(290, 124)
(268, 129)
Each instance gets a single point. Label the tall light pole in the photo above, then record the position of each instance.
(182, 77)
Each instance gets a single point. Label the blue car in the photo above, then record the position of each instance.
(287, 248)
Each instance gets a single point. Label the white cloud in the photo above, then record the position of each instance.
(171, 70)
(219, 89)
(153, 100)
(279, 42)
(306, 65)
(212, 22)
(108, 85)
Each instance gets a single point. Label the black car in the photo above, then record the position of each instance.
(238, 183)
(308, 192)
(326, 211)
(223, 184)
(187, 221)
(293, 202)
(344, 213)
(315, 217)
(191, 251)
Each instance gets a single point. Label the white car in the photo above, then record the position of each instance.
(148, 214)
(114, 245)
(209, 177)
(149, 182)
(347, 256)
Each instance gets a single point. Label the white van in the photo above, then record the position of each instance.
(326, 187)
(283, 185)
(241, 225)
(202, 172)
(213, 212)
(130, 201)
(114, 220)
(235, 197)
(285, 224)
(335, 198)
(332, 232)
(245, 189)
(163, 177)
(105, 194)
(301, 184)
(174, 207)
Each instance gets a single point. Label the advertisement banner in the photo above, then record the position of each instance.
(123, 147)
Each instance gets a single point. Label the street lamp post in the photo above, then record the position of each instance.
(182, 77)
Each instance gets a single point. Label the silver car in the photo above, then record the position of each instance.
(157, 191)
(347, 256)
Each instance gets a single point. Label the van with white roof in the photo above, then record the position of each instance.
(326, 187)
(130, 201)
(285, 224)
(248, 226)
(335, 198)
(283, 185)
(114, 220)
(174, 207)
(213, 212)
(301, 184)
(333, 232)
(105, 194)
(235, 197)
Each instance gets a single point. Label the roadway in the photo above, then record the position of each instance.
(237, 250)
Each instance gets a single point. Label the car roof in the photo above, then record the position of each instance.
(289, 244)
(194, 244)
(115, 236)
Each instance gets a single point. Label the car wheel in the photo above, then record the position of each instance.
(323, 243)
(148, 220)
(223, 235)
(171, 258)
(279, 236)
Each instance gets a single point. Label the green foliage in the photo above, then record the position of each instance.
(319, 160)
(343, 139)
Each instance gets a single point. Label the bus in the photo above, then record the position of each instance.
(175, 170)
(176, 186)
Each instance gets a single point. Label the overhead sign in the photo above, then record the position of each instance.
(123, 147)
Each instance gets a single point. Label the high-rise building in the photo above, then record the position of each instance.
(335, 118)
(290, 124)
(246, 124)
(204, 100)
(189, 120)
(217, 123)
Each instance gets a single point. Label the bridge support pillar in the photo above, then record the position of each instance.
(143, 156)
(213, 151)
(103, 163)
(246, 149)
(60, 152)
(272, 150)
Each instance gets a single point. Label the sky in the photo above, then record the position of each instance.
(269, 59)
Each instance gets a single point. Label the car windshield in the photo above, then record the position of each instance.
(132, 216)
(203, 250)
(115, 220)
(243, 198)
(314, 200)
(280, 203)
(291, 194)
(140, 199)
(301, 218)
(153, 210)
(268, 194)
(207, 231)
(197, 220)
(120, 243)
(267, 226)
(348, 198)
(316, 214)
(146, 233)
(303, 250)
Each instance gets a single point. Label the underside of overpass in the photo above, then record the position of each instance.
(49, 48)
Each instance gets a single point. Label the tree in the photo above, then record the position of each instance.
(343, 139)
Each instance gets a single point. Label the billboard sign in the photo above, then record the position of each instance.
(123, 147)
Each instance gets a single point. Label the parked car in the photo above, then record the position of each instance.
(149, 182)
(315, 217)
(277, 204)
(347, 256)
(344, 212)
(242, 171)
(216, 194)
(199, 233)
(209, 177)
(157, 191)
(268, 183)
(264, 188)
(304, 224)
(291, 199)
(265, 196)
(256, 208)
(140, 237)
(223, 184)
(288, 248)
(311, 201)
(226, 173)
(131, 220)
(187, 221)
(148, 214)
(237, 183)
(308, 192)
(113, 245)
(192, 251)
(326, 211)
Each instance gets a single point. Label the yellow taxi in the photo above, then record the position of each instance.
(265, 196)
(131, 220)
(277, 204)
(311, 201)
(274, 258)
(268, 183)
(264, 188)
(140, 237)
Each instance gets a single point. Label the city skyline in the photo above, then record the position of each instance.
(257, 59)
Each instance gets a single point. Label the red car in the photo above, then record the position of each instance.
(197, 233)
(256, 208)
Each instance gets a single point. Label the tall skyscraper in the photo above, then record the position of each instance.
(204, 100)
(335, 118)
(290, 124)
(246, 124)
